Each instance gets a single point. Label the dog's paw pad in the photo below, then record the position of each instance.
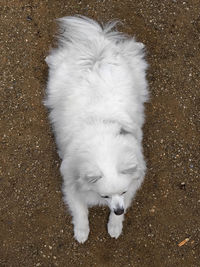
(114, 230)
(81, 234)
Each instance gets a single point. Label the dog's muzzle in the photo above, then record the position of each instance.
(119, 211)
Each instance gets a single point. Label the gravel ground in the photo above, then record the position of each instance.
(35, 228)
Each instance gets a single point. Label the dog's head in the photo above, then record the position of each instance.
(109, 165)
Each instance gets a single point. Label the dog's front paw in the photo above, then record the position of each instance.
(81, 233)
(115, 229)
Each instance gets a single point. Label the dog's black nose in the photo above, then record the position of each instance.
(119, 211)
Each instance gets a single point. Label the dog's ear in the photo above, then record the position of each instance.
(124, 131)
(92, 179)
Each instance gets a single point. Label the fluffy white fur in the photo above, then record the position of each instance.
(95, 93)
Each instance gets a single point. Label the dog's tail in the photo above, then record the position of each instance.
(80, 29)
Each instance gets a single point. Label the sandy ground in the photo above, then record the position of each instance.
(35, 228)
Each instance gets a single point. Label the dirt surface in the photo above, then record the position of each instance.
(35, 228)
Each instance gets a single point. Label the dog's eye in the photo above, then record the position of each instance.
(105, 196)
(123, 193)
(93, 179)
(129, 171)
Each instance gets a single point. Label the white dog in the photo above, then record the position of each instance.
(95, 93)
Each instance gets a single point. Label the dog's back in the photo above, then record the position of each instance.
(96, 73)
